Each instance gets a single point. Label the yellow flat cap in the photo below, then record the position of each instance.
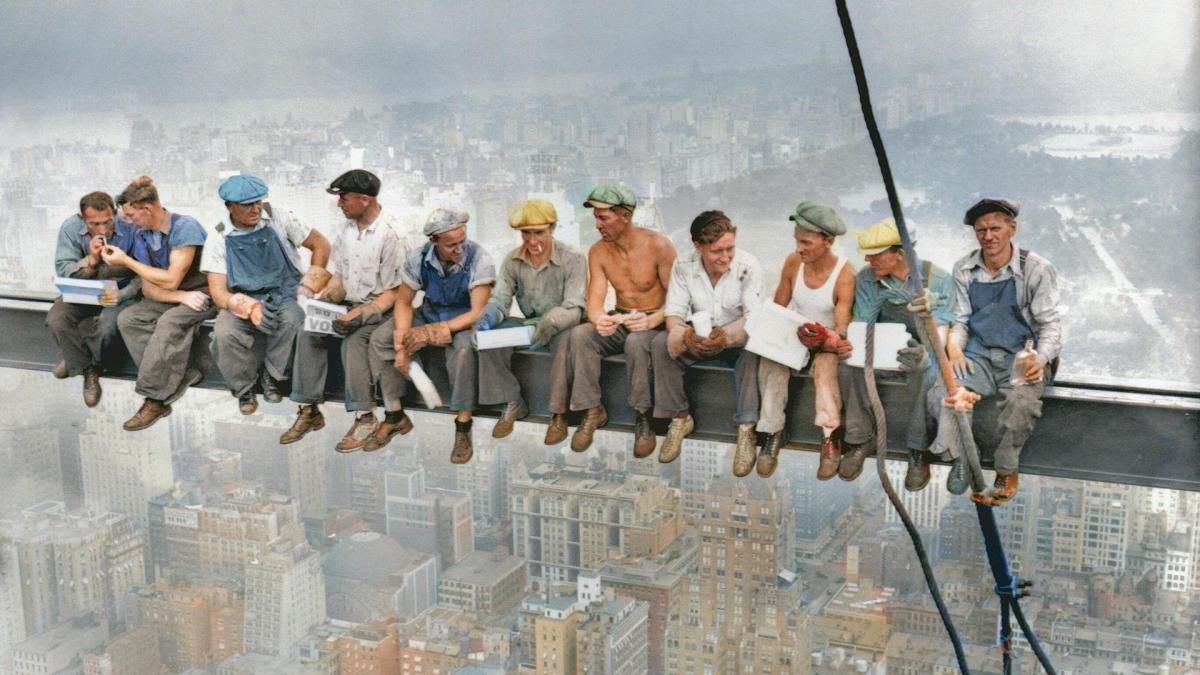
(532, 214)
(879, 237)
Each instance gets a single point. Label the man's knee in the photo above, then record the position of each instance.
(639, 343)
(585, 336)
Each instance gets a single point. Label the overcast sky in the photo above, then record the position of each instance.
(63, 51)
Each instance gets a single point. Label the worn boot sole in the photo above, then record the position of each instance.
(463, 455)
(373, 442)
(138, 427)
(91, 398)
(317, 425)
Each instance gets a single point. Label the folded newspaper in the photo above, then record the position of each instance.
(424, 385)
(319, 316)
(86, 291)
(497, 338)
(772, 331)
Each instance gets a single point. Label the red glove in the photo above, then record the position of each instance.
(816, 336)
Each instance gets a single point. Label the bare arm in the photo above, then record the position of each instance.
(843, 300)
(218, 289)
(169, 278)
(597, 286)
(157, 293)
(320, 247)
(402, 314)
(787, 279)
(479, 298)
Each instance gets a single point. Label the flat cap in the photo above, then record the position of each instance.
(986, 206)
(355, 180)
(242, 189)
(608, 195)
(818, 218)
(444, 220)
(881, 236)
(532, 214)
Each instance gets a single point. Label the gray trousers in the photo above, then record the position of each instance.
(588, 349)
(83, 332)
(312, 363)
(240, 349)
(160, 337)
(669, 396)
(497, 384)
(859, 420)
(460, 367)
(1019, 410)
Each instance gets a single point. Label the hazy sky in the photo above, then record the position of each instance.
(75, 51)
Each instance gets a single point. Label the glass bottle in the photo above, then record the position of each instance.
(1021, 364)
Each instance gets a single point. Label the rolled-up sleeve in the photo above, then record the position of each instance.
(68, 256)
(410, 271)
(867, 299)
(393, 260)
(484, 270)
(961, 311)
(942, 285)
(678, 296)
(1043, 307)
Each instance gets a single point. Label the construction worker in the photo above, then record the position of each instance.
(1004, 298)
(253, 277)
(548, 280)
(364, 263)
(724, 283)
(84, 332)
(456, 275)
(637, 262)
(160, 329)
(881, 294)
(820, 286)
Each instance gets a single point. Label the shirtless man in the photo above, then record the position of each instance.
(819, 285)
(637, 262)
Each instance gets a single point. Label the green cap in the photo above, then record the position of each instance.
(608, 195)
(818, 218)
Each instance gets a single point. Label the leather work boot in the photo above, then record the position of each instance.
(515, 410)
(308, 418)
(958, 481)
(644, 439)
(917, 476)
(150, 412)
(270, 388)
(191, 378)
(363, 427)
(463, 449)
(852, 460)
(60, 371)
(673, 443)
(385, 431)
(768, 457)
(593, 419)
(744, 453)
(247, 403)
(91, 387)
(557, 431)
(831, 456)
(1004, 489)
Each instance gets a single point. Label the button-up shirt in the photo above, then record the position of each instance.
(72, 247)
(737, 293)
(561, 282)
(872, 293)
(287, 227)
(369, 261)
(1037, 292)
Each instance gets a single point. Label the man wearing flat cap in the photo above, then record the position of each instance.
(714, 286)
(1006, 299)
(547, 278)
(881, 294)
(254, 276)
(637, 262)
(368, 251)
(456, 275)
(820, 286)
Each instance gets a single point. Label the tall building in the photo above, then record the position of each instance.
(75, 562)
(489, 583)
(924, 507)
(285, 598)
(612, 638)
(701, 462)
(566, 520)
(12, 616)
(29, 456)
(554, 637)
(122, 472)
(368, 649)
(370, 577)
(297, 469)
(740, 611)
(428, 519)
(820, 506)
(135, 651)
(194, 626)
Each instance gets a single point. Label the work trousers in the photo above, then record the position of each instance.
(160, 337)
(859, 418)
(773, 380)
(240, 349)
(311, 365)
(460, 366)
(587, 350)
(83, 332)
(1020, 408)
(669, 396)
(497, 384)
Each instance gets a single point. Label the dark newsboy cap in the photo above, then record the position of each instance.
(986, 206)
(355, 180)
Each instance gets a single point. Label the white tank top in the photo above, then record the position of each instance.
(816, 303)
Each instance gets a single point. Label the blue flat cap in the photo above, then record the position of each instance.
(243, 189)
